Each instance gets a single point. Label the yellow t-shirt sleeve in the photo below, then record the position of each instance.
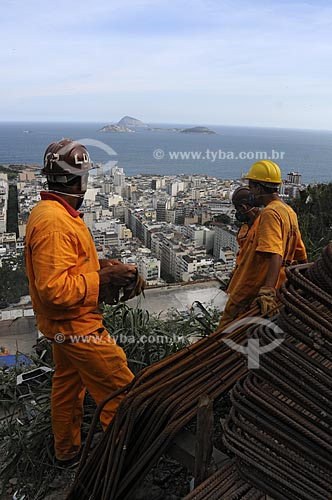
(270, 236)
(300, 252)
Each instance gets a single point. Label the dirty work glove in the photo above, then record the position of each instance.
(109, 294)
(113, 276)
(136, 287)
(266, 299)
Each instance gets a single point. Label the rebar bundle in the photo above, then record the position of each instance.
(226, 484)
(279, 428)
(280, 425)
(162, 399)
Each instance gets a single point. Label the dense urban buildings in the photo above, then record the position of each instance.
(175, 228)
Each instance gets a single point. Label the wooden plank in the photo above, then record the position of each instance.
(204, 440)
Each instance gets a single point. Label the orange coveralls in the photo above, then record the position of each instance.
(61, 265)
(276, 231)
(243, 237)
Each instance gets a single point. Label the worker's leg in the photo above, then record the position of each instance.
(66, 405)
(102, 366)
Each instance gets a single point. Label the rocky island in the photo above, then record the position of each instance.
(130, 124)
(197, 130)
(115, 128)
(129, 121)
(126, 124)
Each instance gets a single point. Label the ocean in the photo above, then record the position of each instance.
(226, 154)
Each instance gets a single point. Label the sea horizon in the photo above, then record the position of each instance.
(166, 152)
(167, 124)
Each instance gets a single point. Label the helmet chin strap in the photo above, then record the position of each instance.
(67, 194)
(249, 210)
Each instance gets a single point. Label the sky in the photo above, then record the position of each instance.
(242, 62)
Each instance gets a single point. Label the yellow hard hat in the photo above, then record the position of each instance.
(264, 171)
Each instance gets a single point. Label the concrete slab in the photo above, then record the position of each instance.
(181, 297)
(21, 333)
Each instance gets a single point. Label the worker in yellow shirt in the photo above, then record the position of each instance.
(67, 282)
(275, 242)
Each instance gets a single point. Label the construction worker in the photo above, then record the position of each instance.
(274, 243)
(67, 282)
(247, 215)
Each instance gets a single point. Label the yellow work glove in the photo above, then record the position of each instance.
(266, 299)
(136, 287)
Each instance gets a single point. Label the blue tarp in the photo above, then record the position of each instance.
(15, 360)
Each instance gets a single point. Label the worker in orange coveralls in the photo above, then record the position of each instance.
(274, 243)
(67, 282)
(247, 215)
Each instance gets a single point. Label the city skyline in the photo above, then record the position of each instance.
(250, 63)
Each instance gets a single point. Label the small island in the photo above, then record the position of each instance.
(129, 121)
(126, 124)
(130, 124)
(198, 130)
(115, 128)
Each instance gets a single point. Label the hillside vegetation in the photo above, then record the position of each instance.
(314, 210)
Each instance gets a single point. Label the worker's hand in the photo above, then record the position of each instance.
(109, 294)
(117, 274)
(133, 289)
(266, 299)
(108, 262)
(114, 275)
(140, 285)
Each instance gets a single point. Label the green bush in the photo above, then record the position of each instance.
(13, 283)
(314, 210)
(148, 338)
